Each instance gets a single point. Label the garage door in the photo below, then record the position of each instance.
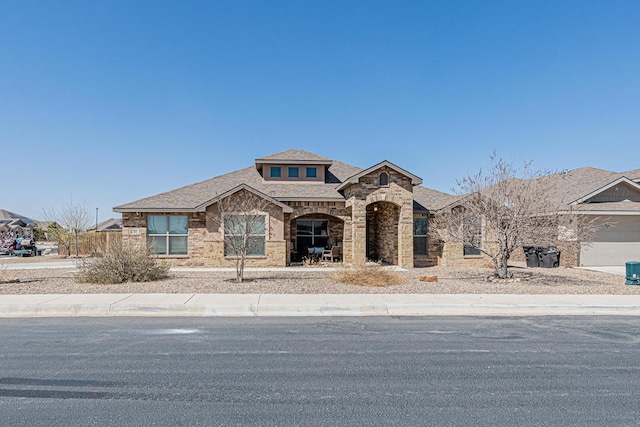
(615, 244)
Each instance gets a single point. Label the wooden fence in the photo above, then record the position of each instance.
(91, 243)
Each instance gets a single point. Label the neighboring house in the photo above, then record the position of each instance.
(18, 225)
(613, 200)
(378, 213)
(108, 226)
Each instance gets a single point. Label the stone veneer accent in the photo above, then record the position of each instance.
(368, 191)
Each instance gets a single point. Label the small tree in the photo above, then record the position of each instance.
(505, 208)
(71, 221)
(242, 220)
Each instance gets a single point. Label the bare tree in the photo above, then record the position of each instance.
(506, 208)
(72, 219)
(243, 221)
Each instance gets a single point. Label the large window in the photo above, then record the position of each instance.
(241, 230)
(472, 235)
(312, 233)
(168, 234)
(420, 235)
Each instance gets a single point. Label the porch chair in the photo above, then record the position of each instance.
(332, 254)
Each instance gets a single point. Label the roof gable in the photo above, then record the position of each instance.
(415, 180)
(606, 192)
(203, 206)
(11, 216)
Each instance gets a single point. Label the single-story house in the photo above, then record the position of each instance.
(378, 213)
(612, 199)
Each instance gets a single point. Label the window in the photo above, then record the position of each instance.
(384, 179)
(168, 234)
(472, 235)
(420, 235)
(312, 172)
(312, 233)
(237, 227)
(294, 172)
(276, 172)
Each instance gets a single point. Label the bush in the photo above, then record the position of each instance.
(368, 275)
(121, 263)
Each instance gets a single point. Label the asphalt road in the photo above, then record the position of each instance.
(571, 371)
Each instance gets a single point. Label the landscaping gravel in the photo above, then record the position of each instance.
(313, 281)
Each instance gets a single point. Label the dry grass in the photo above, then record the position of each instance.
(6, 276)
(368, 275)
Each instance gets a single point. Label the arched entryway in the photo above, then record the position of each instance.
(317, 230)
(382, 232)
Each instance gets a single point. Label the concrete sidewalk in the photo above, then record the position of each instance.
(250, 305)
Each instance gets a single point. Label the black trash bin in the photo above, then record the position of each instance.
(531, 254)
(549, 258)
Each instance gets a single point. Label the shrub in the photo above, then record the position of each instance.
(121, 263)
(368, 275)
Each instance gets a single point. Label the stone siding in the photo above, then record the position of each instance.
(453, 256)
(369, 191)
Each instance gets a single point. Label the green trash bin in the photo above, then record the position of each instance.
(633, 273)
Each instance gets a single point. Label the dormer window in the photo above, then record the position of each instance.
(276, 172)
(312, 172)
(294, 172)
(384, 179)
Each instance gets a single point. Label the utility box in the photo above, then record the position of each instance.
(633, 273)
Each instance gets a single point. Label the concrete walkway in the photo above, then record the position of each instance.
(251, 305)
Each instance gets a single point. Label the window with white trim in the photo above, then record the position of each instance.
(384, 179)
(168, 234)
(245, 232)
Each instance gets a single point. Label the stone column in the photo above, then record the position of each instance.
(405, 236)
(359, 231)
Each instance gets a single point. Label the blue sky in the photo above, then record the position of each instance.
(108, 101)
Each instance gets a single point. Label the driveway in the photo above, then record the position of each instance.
(618, 270)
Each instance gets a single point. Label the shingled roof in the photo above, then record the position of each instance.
(8, 216)
(564, 188)
(188, 198)
(431, 200)
(293, 155)
(573, 185)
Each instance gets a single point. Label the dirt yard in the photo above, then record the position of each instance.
(313, 281)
